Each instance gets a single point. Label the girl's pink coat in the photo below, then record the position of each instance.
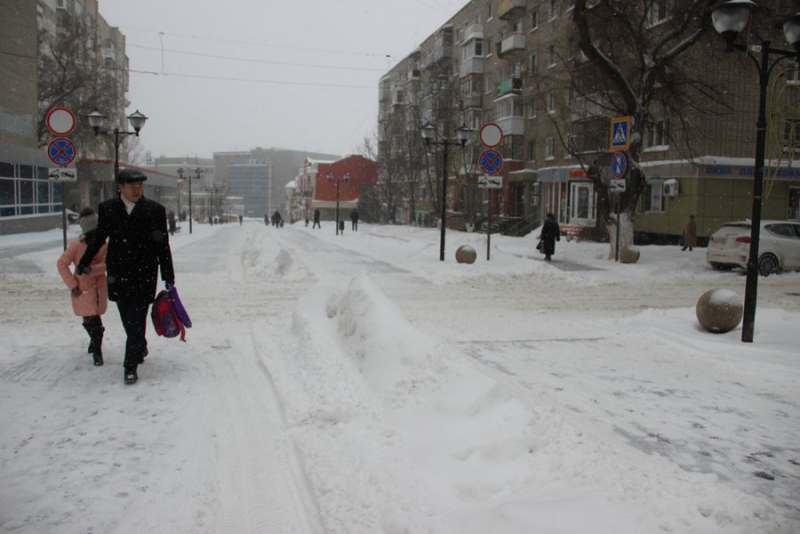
(94, 296)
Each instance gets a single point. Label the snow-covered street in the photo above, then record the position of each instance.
(355, 384)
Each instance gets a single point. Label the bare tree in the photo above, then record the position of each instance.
(71, 75)
(633, 52)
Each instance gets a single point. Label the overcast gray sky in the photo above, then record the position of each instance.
(236, 74)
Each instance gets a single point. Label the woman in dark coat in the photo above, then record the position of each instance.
(549, 235)
(138, 246)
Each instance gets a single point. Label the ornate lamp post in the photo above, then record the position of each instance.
(729, 19)
(346, 178)
(96, 120)
(212, 189)
(197, 172)
(429, 134)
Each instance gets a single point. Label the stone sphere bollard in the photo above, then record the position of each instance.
(629, 255)
(719, 310)
(466, 254)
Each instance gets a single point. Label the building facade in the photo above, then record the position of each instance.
(517, 64)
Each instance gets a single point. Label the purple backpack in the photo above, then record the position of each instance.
(169, 316)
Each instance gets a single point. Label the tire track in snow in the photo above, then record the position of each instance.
(263, 488)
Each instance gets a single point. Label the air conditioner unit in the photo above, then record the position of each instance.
(671, 188)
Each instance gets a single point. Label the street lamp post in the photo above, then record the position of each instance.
(212, 189)
(429, 134)
(729, 19)
(197, 172)
(137, 120)
(346, 178)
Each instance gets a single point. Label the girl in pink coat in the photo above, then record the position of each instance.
(89, 291)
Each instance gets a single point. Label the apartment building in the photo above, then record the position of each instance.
(516, 63)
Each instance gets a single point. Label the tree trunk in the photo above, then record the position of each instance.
(625, 233)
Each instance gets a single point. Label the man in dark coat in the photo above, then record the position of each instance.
(354, 219)
(138, 245)
(549, 235)
(316, 220)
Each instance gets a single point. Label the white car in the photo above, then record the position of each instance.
(778, 246)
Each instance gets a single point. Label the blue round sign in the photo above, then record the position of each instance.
(490, 161)
(61, 151)
(619, 164)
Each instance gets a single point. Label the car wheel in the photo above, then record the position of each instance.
(768, 264)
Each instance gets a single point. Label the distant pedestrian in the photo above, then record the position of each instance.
(548, 237)
(266, 219)
(316, 220)
(276, 219)
(172, 222)
(241, 218)
(690, 234)
(354, 219)
(89, 291)
(138, 247)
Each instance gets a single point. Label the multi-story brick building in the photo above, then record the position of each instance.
(517, 63)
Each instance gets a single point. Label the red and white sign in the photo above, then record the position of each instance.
(491, 135)
(61, 121)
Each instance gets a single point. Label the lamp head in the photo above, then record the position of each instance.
(137, 121)
(463, 134)
(428, 132)
(730, 18)
(791, 31)
(329, 176)
(96, 120)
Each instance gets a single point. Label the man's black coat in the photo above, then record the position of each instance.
(138, 244)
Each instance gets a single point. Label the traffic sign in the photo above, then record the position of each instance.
(616, 186)
(491, 135)
(490, 182)
(63, 174)
(61, 151)
(61, 121)
(620, 133)
(490, 161)
(619, 164)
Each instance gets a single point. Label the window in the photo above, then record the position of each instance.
(554, 9)
(658, 11)
(531, 150)
(551, 55)
(472, 49)
(488, 47)
(491, 11)
(518, 27)
(551, 102)
(534, 20)
(549, 148)
(533, 67)
(532, 108)
(658, 135)
(653, 199)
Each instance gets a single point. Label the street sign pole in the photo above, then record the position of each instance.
(489, 224)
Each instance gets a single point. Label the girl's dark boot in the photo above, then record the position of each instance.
(94, 326)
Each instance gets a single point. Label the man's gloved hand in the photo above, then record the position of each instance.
(83, 270)
(76, 291)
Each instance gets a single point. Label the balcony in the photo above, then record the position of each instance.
(512, 85)
(514, 43)
(472, 101)
(473, 31)
(511, 125)
(509, 8)
(473, 65)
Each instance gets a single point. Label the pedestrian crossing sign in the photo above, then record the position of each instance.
(620, 138)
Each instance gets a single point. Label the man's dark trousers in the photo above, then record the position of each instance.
(134, 320)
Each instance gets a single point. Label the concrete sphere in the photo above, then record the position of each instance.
(629, 255)
(466, 254)
(719, 310)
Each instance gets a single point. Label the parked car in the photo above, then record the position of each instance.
(778, 246)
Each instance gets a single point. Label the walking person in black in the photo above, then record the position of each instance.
(138, 246)
(316, 220)
(354, 219)
(549, 235)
